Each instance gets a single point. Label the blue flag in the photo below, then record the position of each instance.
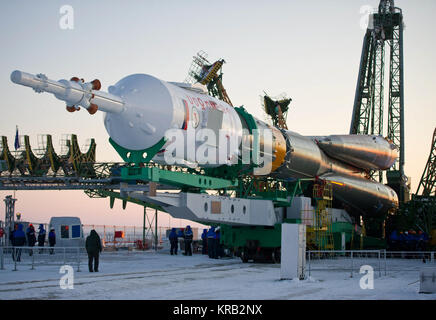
(17, 140)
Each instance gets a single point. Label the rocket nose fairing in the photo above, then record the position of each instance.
(149, 112)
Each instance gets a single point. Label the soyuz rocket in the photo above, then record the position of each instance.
(140, 109)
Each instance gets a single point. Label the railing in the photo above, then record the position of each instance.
(381, 261)
(33, 256)
(132, 234)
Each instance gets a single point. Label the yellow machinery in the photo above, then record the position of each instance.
(319, 234)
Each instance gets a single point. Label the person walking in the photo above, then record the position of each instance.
(41, 237)
(31, 237)
(18, 240)
(52, 240)
(188, 236)
(204, 242)
(93, 248)
(173, 241)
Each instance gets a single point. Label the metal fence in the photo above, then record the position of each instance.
(15, 258)
(347, 261)
(32, 257)
(131, 235)
(382, 261)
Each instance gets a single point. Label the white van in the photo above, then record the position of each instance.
(69, 232)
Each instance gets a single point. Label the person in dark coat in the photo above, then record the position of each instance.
(173, 241)
(204, 242)
(188, 236)
(93, 248)
(11, 233)
(52, 240)
(211, 236)
(31, 237)
(41, 237)
(218, 246)
(18, 240)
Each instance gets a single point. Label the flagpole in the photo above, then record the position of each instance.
(16, 144)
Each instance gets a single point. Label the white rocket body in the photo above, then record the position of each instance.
(153, 107)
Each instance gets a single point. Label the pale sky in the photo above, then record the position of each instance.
(307, 49)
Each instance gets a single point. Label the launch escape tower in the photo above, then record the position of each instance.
(385, 30)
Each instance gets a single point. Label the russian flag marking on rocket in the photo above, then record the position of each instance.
(185, 121)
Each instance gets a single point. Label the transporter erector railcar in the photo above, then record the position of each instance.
(149, 119)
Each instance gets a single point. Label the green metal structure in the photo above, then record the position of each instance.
(25, 162)
(419, 213)
(428, 178)
(385, 29)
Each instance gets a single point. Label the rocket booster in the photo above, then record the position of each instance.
(141, 110)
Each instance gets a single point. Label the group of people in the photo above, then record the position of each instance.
(19, 238)
(186, 235)
(408, 240)
(210, 241)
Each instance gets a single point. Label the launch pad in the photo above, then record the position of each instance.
(249, 205)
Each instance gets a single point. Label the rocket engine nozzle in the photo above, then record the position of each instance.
(75, 92)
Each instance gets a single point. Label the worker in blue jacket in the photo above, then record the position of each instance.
(18, 240)
(211, 240)
(11, 233)
(218, 247)
(31, 237)
(52, 240)
(41, 237)
(204, 242)
(173, 241)
(188, 236)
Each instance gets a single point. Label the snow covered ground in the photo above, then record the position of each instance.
(158, 275)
